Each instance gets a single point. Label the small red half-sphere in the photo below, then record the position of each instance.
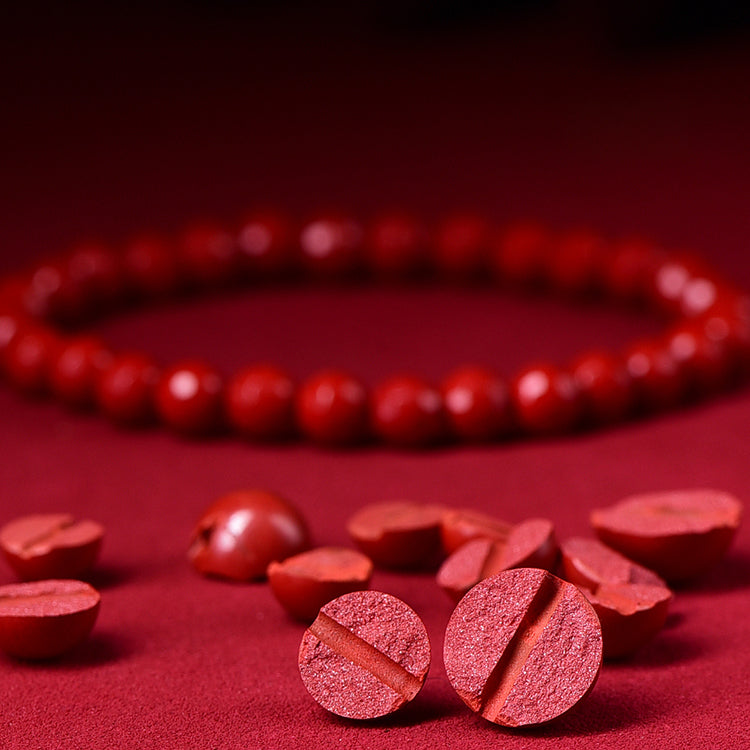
(240, 534)
(52, 545)
(398, 534)
(44, 619)
(303, 583)
(678, 534)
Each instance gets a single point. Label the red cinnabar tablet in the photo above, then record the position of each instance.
(631, 614)
(677, 534)
(44, 619)
(398, 534)
(243, 531)
(366, 655)
(589, 563)
(531, 544)
(51, 546)
(460, 526)
(523, 647)
(302, 584)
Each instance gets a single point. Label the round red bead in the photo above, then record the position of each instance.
(477, 404)
(189, 397)
(331, 246)
(521, 253)
(29, 357)
(545, 399)
(265, 242)
(658, 380)
(396, 246)
(152, 267)
(259, 402)
(462, 245)
(52, 294)
(209, 255)
(77, 368)
(575, 265)
(408, 411)
(605, 386)
(705, 359)
(627, 271)
(332, 407)
(125, 390)
(99, 272)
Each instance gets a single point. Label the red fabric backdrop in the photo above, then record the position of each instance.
(135, 120)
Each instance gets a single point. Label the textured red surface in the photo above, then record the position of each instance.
(132, 122)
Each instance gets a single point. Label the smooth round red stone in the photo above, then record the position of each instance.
(658, 380)
(45, 619)
(366, 655)
(53, 545)
(395, 246)
(605, 387)
(259, 403)
(98, 271)
(629, 268)
(52, 294)
(303, 583)
(589, 563)
(477, 404)
(678, 534)
(242, 532)
(545, 399)
(399, 534)
(332, 408)
(523, 647)
(530, 544)
(631, 614)
(331, 246)
(462, 246)
(11, 322)
(408, 411)
(125, 390)
(521, 254)
(152, 267)
(705, 360)
(29, 356)
(574, 266)
(76, 370)
(459, 526)
(266, 245)
(188, 398)
(209, 255)
(682, 284)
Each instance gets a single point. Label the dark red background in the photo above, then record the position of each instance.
(119, 121)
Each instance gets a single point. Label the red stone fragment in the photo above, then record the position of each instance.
(44, 619)
(523, 647)
(462, 525)
(590, 564)
(303, 583)
(530, 544)
(366, 655)
(678, 534)
(240, 534)
(631, 614)
(51, 546)
(398, 534)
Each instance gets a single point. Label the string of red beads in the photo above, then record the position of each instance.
(705, 349)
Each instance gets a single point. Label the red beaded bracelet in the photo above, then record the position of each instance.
(705, 349)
